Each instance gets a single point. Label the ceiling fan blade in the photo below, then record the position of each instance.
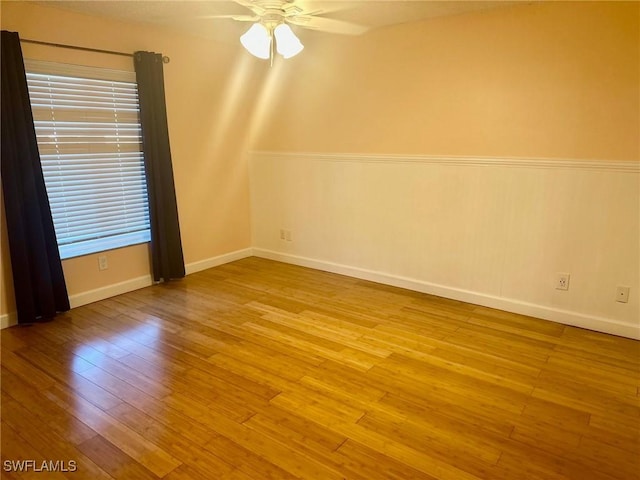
(327, 25)
(317, 7)
(239, 18)
(251, 5)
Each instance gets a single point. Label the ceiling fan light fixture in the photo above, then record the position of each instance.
(287, 44)
(257, 41)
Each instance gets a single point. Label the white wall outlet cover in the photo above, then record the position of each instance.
(562, 281)
(622, 294)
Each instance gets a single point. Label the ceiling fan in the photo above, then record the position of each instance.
(271, 19)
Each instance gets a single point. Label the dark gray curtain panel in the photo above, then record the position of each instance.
(38, 278)
(166, 247)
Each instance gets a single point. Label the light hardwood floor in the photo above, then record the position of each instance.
(261, 370)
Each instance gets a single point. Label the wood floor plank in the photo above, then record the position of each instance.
(296, 442)
(376, 465)
(416, 458)
(445, 440)
(49, 443)
(177, 439)
(468, 412)
(298, 427)
(362, 361)
(119, 435)
(114, 461)
(274, 451)
(47, 412)
(16, 450)
(26, 371)
(259, 370)
(247, 462)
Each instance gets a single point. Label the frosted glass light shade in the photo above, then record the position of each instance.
(257, 41)
(287, 43)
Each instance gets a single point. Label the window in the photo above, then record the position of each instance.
(89, 137)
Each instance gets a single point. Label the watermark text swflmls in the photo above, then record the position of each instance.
(40, 466)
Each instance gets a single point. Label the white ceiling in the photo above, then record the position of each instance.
(188, 15)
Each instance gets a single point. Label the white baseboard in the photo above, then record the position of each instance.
(219, 260)
(144, 281)
(8, 320)
(565, 317)
(90, 296)
(109, 291)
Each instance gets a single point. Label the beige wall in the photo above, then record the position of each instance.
(209, 100)
(7, 301)
(361, 159)
(549, 79)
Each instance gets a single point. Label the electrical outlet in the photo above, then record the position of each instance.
(562, 281)
(622, 294)
(103, 263)
(285, 235)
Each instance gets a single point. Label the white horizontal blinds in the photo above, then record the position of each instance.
(89, 137)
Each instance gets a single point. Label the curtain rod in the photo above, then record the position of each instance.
(165, 59)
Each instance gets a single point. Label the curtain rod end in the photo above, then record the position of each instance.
(165, 59)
